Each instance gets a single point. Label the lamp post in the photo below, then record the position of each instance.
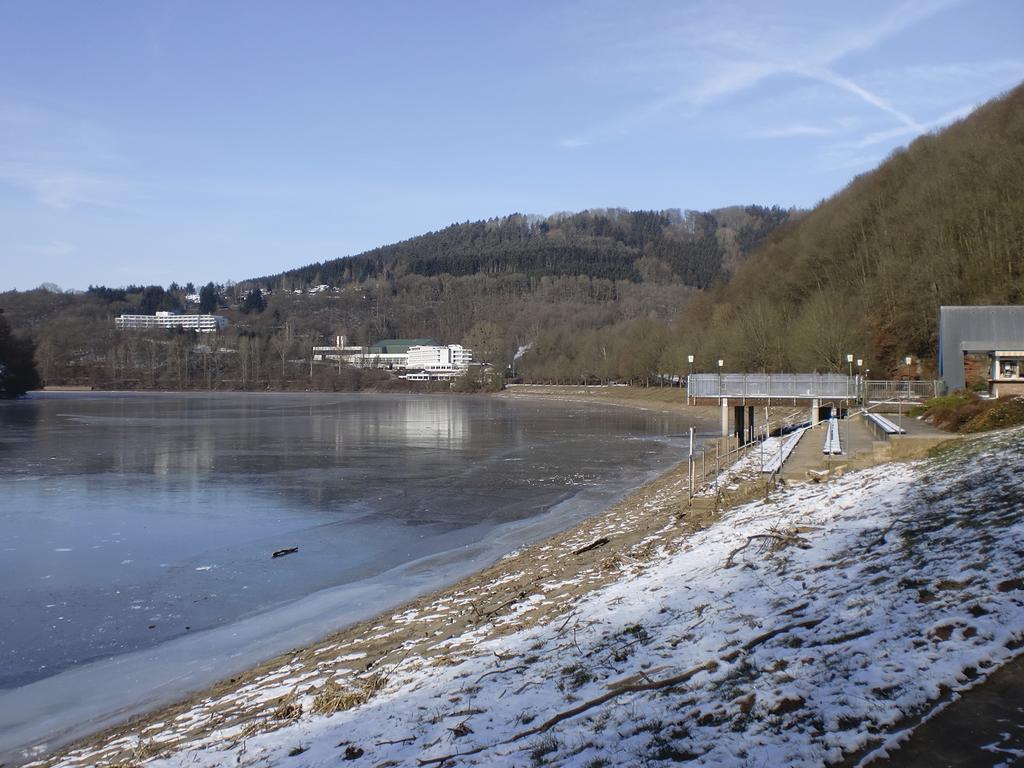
(689, 361)
(849, 362)
(721, 401)
(906, 361)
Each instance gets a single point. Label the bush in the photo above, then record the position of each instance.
(1002, 413)
(479, 381)
(952, 411)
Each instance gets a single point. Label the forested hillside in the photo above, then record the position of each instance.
(608, 281)
(611, 294)
(940, 222)
(693, 248)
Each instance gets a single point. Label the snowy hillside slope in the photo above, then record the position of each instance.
(797, 631)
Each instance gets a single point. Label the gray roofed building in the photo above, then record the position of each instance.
(397, 346)
(996, 331)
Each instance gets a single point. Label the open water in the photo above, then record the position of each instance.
(137, 530)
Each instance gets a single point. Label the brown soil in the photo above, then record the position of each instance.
(663, 399)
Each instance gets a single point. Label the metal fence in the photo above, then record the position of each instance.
(706, 466)
(772, 385)
(714, 470)
(900, 391)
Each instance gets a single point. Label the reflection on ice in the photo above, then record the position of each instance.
(429, 422)
(138, 530)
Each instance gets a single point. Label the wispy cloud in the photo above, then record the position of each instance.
(861, 153)
(61, 161)
(844, 83)
(63, 188)
(573, 143)
(951, 74)
(51, 249)
(791, 130)
(719, 52)
(903, 131)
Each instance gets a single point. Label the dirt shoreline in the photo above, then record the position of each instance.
(660, 399)
(626, 535)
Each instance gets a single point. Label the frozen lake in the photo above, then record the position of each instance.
(137, 531)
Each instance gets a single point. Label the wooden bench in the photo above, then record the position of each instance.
(888, 427)
(832, 446)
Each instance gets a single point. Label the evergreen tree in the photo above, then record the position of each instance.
(253, 302)
(208, 298)
(17, 365)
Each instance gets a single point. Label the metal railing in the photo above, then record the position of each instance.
(900, 391)
(772, 385)
(808, 386)
(707, 468)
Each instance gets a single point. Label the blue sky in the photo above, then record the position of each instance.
(145, 142)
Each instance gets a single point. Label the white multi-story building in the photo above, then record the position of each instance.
(435, 361)
(201, 323)
(453, 358)
(392, 354)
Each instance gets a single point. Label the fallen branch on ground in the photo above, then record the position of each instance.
(623, 688)
(519, 668)
(592, 545)
(406, 740)
(888, 529)
(783, 539)
(764, 638)
(667, 682)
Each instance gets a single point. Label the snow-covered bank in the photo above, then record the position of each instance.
(793, 632)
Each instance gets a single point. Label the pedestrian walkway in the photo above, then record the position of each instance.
(862, 446)
(855, 439)
(983, 727)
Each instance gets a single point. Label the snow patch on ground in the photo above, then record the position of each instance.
(803, 629)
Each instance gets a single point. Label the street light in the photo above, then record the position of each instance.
(689, 360)
(849, 359)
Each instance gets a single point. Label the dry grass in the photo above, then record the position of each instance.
(331, 697)
(139, 754)
(288, 708)
(966, 412)
(1006, 412)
